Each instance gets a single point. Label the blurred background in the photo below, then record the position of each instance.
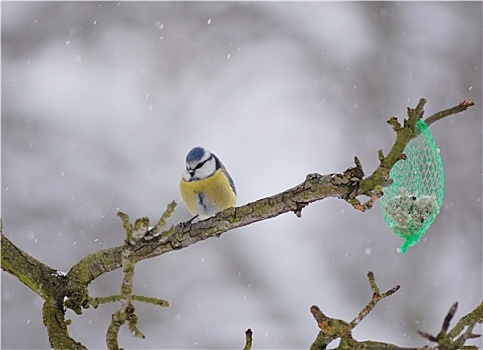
(101, 101)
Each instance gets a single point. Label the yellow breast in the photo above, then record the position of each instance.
(208, 196)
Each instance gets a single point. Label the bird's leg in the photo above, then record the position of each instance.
(190, 221)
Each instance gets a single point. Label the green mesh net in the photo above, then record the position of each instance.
(412, 202)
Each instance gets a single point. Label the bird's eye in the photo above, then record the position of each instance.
(199, 165)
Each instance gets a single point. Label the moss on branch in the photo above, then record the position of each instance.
(39, 277)
(53, 317)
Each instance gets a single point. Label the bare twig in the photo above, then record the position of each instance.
(332, 328)
(449, 340)
(475, 316)
(95, 302)
(125, 312)
(462, 106)
(376, 297)
(248, 339)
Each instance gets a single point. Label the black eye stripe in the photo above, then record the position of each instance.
(203, 162)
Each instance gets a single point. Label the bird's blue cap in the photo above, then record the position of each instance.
(195, 154)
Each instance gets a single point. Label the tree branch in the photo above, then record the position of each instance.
(332, 328)
(469, 320)
(248, 339)
(374, 300)
(53, 316)
(39, 277)
(50, 284)
(346, 185)
(463, 106)
(316, 187)
(54, 286)
(448, 341)
(125, 311)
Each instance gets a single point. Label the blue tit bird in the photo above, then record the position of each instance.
(206, 187)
